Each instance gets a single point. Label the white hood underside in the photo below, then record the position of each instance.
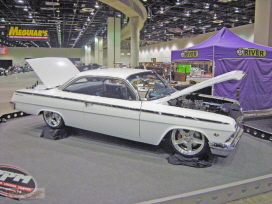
(233, 75)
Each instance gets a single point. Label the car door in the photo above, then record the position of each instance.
(113, 110)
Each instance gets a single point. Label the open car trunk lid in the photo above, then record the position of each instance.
(53, 71)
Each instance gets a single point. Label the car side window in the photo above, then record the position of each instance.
(103, 87)
(116, 88)
(86, 85)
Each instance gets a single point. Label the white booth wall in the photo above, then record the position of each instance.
(18, 54)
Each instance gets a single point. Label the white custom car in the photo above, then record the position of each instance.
(134, 104)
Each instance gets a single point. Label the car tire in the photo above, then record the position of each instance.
(53, 120)
(188, 143)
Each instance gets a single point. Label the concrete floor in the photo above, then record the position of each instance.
(93, 168)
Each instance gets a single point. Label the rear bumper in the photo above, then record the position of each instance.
(224, 149)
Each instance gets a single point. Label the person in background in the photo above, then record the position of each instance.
(141, 66)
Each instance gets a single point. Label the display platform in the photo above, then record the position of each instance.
(93, 168)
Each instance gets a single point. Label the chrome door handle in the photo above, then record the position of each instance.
(87, 104)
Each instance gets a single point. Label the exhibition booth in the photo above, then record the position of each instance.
(229, 52)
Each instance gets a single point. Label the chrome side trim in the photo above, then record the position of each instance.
(186, 117)
(128, 108)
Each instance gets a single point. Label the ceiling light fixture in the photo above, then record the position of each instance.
(177, 2)
(161, 11)
(187, 13)
(250, 21)
(215, 16)
(236, 10)
(96, 5)
(207, 6)
(88, 19)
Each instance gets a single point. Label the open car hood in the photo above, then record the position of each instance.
(53, 71)
(233, 75)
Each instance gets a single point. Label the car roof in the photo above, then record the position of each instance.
(122, 73)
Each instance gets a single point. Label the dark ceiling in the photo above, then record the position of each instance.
(185, 18)
(74, 23)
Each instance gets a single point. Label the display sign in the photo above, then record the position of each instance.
(26, 33)
(189, 53)
(251, 52)
(3, 50)
(15, 182)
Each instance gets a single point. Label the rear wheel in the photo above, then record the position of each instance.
(53, 120)
(188, 143)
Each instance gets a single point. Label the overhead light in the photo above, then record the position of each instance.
(236, 19)
(217, 21)
(88, 19)
(96, 5)
(250, 21)
(207, 6)
(57, 10)
(177, 2)
(33, 21)
(92, 13)
(25, 9)
(153, 27)
(175, 18)
(118, 15)
(3, 20)
(215, 16)
(30, 15)
(236, 10)
(161, 11)
(187, 13)
(20, 1)
(199, 21)
(125, 20)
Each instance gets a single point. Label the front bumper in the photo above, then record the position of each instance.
(224, 149)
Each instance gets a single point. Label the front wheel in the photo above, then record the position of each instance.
(53, 120)
(188, 143)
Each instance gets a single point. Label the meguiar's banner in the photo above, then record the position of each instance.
(37, 33)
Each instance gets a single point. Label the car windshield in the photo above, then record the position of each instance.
(150, 86)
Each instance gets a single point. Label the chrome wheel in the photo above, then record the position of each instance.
(53, 119)
(188, 143)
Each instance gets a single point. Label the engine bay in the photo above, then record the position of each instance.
(209, 103)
